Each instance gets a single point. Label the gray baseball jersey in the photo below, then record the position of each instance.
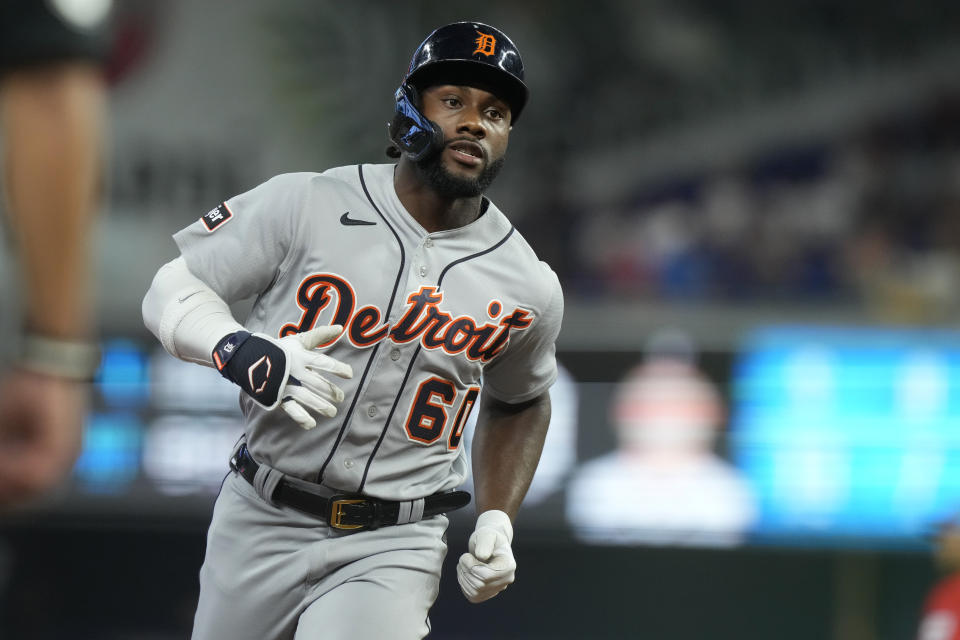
(429, 318)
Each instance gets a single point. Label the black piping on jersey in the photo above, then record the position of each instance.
(416, 353)
(376, 349)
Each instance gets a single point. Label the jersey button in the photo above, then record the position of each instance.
(428, 243)
(423, 271)
(348, 463)
(395, 354)
(371, 411)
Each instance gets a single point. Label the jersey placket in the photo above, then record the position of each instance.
(344, 462)
(423, 272)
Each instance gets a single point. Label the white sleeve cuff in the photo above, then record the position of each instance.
(185, 314)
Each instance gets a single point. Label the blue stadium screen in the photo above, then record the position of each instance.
(848, 434)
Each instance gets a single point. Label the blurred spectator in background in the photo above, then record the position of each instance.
(664, 484)
(941, 611)
(52, 105)
(865, 219)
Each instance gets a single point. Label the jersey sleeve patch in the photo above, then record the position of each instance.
(217, 217)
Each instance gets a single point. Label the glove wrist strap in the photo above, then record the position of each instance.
(226, 349)
(254, 363)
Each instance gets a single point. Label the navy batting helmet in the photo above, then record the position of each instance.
(460, 53)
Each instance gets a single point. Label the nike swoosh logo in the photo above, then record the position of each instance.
(187, 297)
(345, 219)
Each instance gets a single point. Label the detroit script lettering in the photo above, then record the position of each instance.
(423, 320)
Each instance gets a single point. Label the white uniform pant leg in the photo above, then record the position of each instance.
(376, 584)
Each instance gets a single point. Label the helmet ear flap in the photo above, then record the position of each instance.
(409, 129)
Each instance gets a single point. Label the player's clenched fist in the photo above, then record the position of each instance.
(285, 371)
(489, 567)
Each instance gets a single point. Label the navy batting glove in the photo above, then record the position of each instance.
(256, 365)
(288, 372)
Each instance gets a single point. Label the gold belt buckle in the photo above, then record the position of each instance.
(336, 513)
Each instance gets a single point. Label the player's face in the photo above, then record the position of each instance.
(476, 128)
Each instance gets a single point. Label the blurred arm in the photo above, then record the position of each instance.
(53, 121)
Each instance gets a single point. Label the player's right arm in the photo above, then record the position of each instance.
(239, 250)
(195, 324)
(186, 315)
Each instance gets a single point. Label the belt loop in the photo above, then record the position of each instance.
(266, 481)
(410, 511)
(403, 515)
(416, 511)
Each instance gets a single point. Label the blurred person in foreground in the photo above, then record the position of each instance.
(664, 484)
(940, 619)
(52, 107)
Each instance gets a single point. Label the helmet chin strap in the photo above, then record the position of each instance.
(414, 134)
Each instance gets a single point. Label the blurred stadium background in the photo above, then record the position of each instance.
(769, 190)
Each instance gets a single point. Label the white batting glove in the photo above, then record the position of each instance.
(285, 372)
(489, 567)
(315, 391)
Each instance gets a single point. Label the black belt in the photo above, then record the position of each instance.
(345, 511)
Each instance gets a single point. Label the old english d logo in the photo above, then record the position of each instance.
(259, 370)
(486, 44)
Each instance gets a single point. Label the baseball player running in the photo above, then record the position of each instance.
(390, 300)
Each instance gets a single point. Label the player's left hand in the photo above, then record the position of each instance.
(489, 567)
